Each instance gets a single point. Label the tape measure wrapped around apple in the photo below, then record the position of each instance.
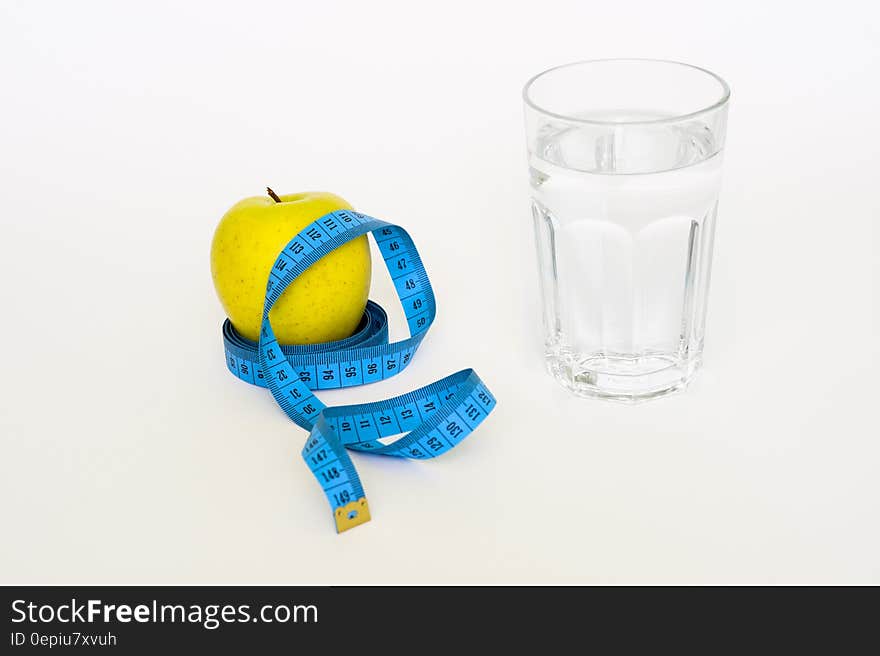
(324, 304)
(293, 273)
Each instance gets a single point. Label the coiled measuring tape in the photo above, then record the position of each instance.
(432, 419)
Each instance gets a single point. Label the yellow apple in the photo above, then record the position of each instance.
(325, 303)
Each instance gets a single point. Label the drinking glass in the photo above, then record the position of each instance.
(625, 169)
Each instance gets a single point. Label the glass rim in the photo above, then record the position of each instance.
(725, 92)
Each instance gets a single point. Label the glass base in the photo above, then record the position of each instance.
(623, 378)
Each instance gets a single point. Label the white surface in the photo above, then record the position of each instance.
(129, 454)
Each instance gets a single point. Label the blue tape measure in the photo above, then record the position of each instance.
(426, 422)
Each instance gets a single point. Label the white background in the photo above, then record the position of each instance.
(130, 454)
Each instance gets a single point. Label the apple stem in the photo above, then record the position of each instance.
(273, 195)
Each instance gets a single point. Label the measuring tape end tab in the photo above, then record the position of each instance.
(352, 514)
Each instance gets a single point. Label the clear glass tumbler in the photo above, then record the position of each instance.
(625, 167)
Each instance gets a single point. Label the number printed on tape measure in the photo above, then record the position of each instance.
(424, 423)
